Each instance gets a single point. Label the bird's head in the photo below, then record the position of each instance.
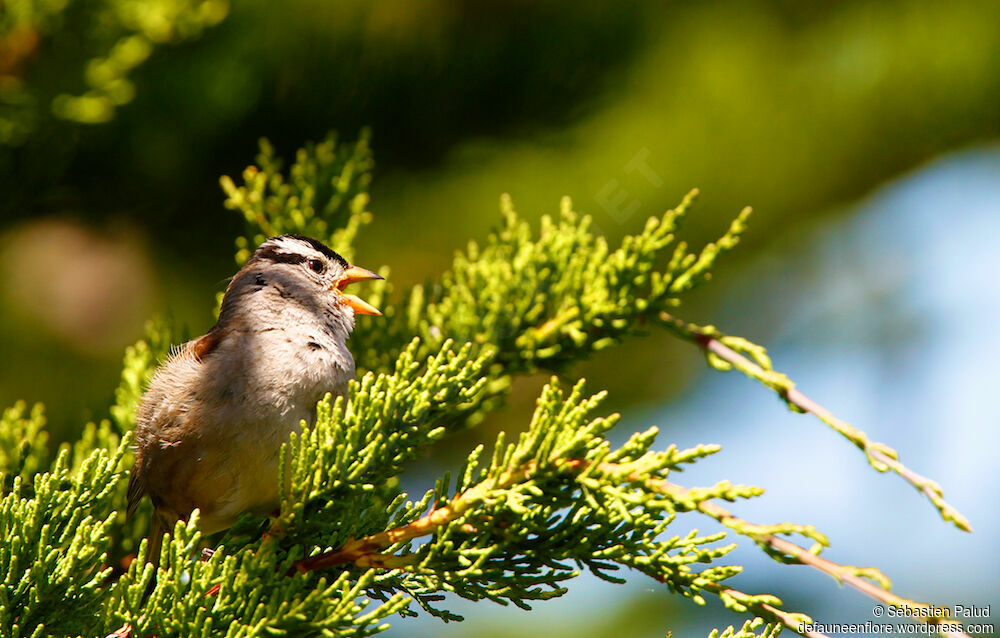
(301, 270)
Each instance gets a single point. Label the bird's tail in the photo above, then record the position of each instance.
(154, 543)
(155, 540)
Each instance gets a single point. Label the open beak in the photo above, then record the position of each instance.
(352, 275)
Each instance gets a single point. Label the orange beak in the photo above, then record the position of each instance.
(352, 275)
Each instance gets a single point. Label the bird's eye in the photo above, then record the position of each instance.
(316, 265)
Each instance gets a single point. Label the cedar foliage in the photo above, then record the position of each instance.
(348, 550)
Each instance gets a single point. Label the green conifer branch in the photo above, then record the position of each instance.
(507, 530)
(559, 495)
(747, 630)
(56, 539)
(241, 594)
(325, 195)
(512, 527)
(763, 605)
(24, 449)
(867, 580)
(542, 303)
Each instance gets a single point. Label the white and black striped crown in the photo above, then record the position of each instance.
(295, 249)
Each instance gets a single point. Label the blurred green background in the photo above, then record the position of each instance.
(118, 117)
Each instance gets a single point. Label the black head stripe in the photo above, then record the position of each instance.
(269, 251)
(320, 247)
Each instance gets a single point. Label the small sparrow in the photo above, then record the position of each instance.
(210, 427)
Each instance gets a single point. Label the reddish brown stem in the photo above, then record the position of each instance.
(882, 457)
(365, 552)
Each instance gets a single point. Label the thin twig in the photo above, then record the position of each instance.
(363, 552)
(841, 573)
(882, 457)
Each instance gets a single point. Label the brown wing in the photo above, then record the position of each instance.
(155, 541)
(164, 457)
(136, 487)
(199, 349)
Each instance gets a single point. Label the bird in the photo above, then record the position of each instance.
(210, 425)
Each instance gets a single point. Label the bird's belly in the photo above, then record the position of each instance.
(244, 420)
(246, 473)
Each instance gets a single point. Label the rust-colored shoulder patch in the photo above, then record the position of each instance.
(204, 345)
